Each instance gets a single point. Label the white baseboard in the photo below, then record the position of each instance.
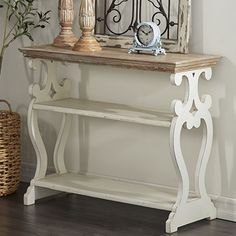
(226, 207)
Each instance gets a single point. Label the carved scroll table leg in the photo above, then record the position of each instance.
(34, 192)
(190, 114)
(51, 91)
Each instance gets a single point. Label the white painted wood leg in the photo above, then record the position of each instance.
(190, 113)
(51, 90)
(34, 192)
(59, 151)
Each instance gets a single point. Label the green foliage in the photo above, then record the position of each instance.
(21, 19)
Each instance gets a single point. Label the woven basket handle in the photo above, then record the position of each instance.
(6, 102)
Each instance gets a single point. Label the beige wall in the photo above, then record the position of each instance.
(135, 151)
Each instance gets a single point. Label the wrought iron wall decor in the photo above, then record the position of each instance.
(117, 19)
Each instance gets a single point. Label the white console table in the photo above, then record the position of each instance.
(191, 112)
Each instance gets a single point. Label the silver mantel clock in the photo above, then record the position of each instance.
(147, 38)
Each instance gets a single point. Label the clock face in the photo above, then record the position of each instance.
(145, 34)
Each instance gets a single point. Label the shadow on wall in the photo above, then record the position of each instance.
(222, 166)
(27, 149)
(84, 123)
(225, 129)
(196, 43)
(124, 141)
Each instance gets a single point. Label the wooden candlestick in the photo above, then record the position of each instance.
(87, 42)
(66, 38)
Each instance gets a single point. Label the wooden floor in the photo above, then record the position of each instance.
(72, 215)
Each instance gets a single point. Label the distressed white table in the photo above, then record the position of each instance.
(191, 112)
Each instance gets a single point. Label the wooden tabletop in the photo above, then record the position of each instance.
(172, 62)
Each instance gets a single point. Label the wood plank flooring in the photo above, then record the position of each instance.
(73, 215)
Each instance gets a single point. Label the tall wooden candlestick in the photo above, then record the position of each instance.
(66, 38)
(87, 42)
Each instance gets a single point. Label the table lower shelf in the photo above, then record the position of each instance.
(146, 195)
(107, 110)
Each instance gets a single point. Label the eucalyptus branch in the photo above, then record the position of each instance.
(21, 19)
(4, 33)
(10, 31)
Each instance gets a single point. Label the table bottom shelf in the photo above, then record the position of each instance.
(146, 195)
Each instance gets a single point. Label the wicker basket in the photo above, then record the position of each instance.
(9, 150)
